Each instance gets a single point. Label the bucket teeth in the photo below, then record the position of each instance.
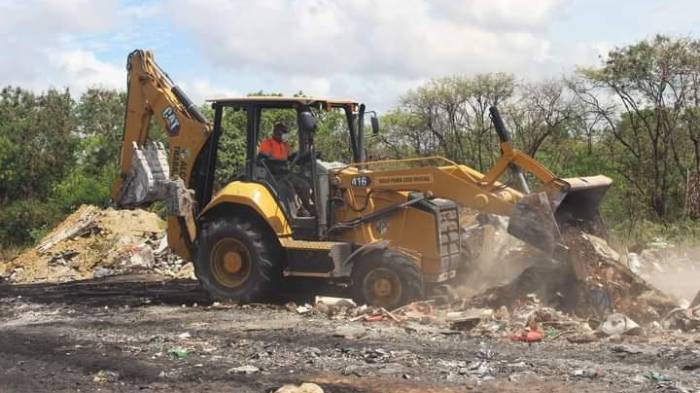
(148, 177)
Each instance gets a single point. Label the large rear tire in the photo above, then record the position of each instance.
(386, 279)
(236, 260)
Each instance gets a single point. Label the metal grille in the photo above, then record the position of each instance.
(450, 244)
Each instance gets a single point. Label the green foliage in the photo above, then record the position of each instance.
(100, 116)
(36, 141)
(56, 154)
(25, 221)
(635, 118)
(332, 138)
(82, 185)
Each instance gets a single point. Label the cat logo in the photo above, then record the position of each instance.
(171, 121)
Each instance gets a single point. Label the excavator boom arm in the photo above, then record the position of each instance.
(148, 172)
(150, 91)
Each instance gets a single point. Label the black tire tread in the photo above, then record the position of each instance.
(409, 273)
(265, 273)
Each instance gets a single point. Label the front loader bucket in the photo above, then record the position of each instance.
(537, 218)
(580, 205)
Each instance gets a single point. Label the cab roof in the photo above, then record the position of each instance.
(282, 102)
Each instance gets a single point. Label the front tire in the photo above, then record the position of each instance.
(386, 279)
(236, 261)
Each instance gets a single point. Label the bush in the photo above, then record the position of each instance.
(26, 221)
(79, 188)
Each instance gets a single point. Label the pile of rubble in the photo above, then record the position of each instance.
(590, 296)
(93, 243)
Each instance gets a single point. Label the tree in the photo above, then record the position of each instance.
(100, 117)
(36, 141)
(649, 86)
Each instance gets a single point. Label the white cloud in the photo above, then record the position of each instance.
(500, 14)
(409, 38)
(84, 70)
(386, 43)
(37, 38)
(200, 90)
(55, 43)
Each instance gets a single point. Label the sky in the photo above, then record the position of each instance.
(372, 51)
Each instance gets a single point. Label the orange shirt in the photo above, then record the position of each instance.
(276, 150)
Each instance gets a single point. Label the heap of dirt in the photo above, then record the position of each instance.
(606, 284)
(92, 243)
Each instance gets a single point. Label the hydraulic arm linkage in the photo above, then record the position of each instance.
(147, 172)
(534, 217)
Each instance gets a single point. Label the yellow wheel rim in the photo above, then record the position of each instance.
(382, 287)
(230, 263)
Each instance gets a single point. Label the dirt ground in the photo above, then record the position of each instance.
(147, 334)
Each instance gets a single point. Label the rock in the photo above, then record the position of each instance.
(393, 369)
(350, 331)
(468, 318)
(247, 369)
(582, 338)
(305, 387)
(627, 349)
(588, 373)
(335, 302)
(103, 376)
(102, 272)
(616, 338)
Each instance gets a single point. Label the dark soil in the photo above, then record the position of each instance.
(118, 335)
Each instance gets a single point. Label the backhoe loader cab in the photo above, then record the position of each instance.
(388, 231)
(308, 219)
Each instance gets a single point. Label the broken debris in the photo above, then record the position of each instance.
(95, 243)
(303, 388)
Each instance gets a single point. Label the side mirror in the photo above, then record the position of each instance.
(375, 124)
(307, 121)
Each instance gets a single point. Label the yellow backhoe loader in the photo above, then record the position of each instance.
(387, 230)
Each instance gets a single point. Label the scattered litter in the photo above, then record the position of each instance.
(104, 376)
(247, 369)
(651, 375)
(306, 308)
(627, 349)
(588, 373)
(468, 319)
(179, 352)
(685, 319)
(529, 336)
(335, 301)
(618, 324)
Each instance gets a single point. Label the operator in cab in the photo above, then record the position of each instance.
(276, 146)
(293, 187)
